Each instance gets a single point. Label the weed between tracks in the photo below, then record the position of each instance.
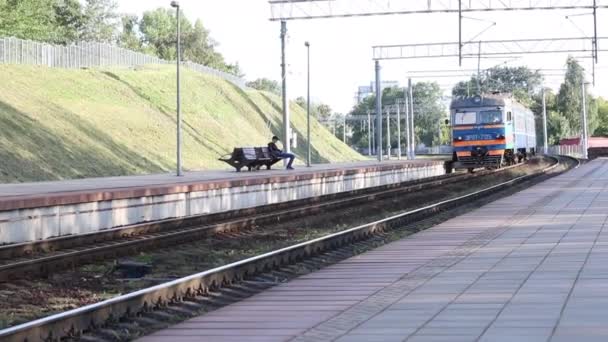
(25, 300)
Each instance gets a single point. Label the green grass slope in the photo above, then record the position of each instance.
(64, 124)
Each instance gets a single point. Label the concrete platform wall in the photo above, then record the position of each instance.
(42, 222)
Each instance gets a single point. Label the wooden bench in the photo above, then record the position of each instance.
(250, 157)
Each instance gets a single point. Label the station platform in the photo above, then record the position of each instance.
(34, 211)
(529, 267)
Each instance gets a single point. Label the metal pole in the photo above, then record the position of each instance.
(407, 124)
(439, 140)
(369, 134)
(459, 32)
(479, 69)
(593, 72)
(585, 137)
(286, 132)
(595, 48)
(413, 134)
(398, 132)
(388, 133)
(546, 144)
(308, 103)
(179, 114)
(373, 133)
(344, 128)
(378, 112)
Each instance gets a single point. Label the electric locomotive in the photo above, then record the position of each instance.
(491, 131)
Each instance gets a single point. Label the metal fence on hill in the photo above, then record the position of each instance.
(89, 55)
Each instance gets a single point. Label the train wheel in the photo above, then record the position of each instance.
(470, 170)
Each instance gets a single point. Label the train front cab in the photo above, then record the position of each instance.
(482, 137)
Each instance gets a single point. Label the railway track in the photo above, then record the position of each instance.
(45, 257)
(72, 323)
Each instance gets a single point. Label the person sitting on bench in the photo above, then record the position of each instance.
(278, 153)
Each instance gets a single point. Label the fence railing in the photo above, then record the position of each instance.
(89, 55)
(567, 150)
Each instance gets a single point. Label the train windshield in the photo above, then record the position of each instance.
(490, 117)
(465, 118)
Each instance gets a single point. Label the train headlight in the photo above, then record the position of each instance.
(500, 136)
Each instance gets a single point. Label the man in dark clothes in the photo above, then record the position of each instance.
(277, 153)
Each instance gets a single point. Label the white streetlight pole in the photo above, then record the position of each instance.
(308, 162)
(585, 139)
(546, 140)
(179, 172)
(398, 131)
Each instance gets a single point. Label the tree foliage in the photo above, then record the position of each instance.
(129, 38)
(602, 118)
(265, 84)
(429, 112)
(570, 100)
(101, 21)
(59, 21)
(522, 82)
(158, 29)
(320, 111)
(72, 21)
(564, 109)
(50, 21)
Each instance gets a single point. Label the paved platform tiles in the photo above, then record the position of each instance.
(529, 267)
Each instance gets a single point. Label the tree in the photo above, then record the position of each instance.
(29, 19)
(429, 112)
(569, 100)
(158, 30)
(101, 21)
(265, 84)
(557, 126)
(70, 20)
(129, 38)
(67, 21)
(58, 21)
(522, 82)
(602, 115)
(322, 112)
(200, 48)
(235, 69)
(301, 101)
(337, 120)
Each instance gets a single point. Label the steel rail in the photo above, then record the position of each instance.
(73, 322)
(71, 241)
(80, 249)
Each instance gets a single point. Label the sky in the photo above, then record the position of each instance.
(341, 49)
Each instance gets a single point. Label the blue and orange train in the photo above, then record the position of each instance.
(491, 131)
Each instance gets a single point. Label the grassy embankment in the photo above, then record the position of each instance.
(64, 124)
